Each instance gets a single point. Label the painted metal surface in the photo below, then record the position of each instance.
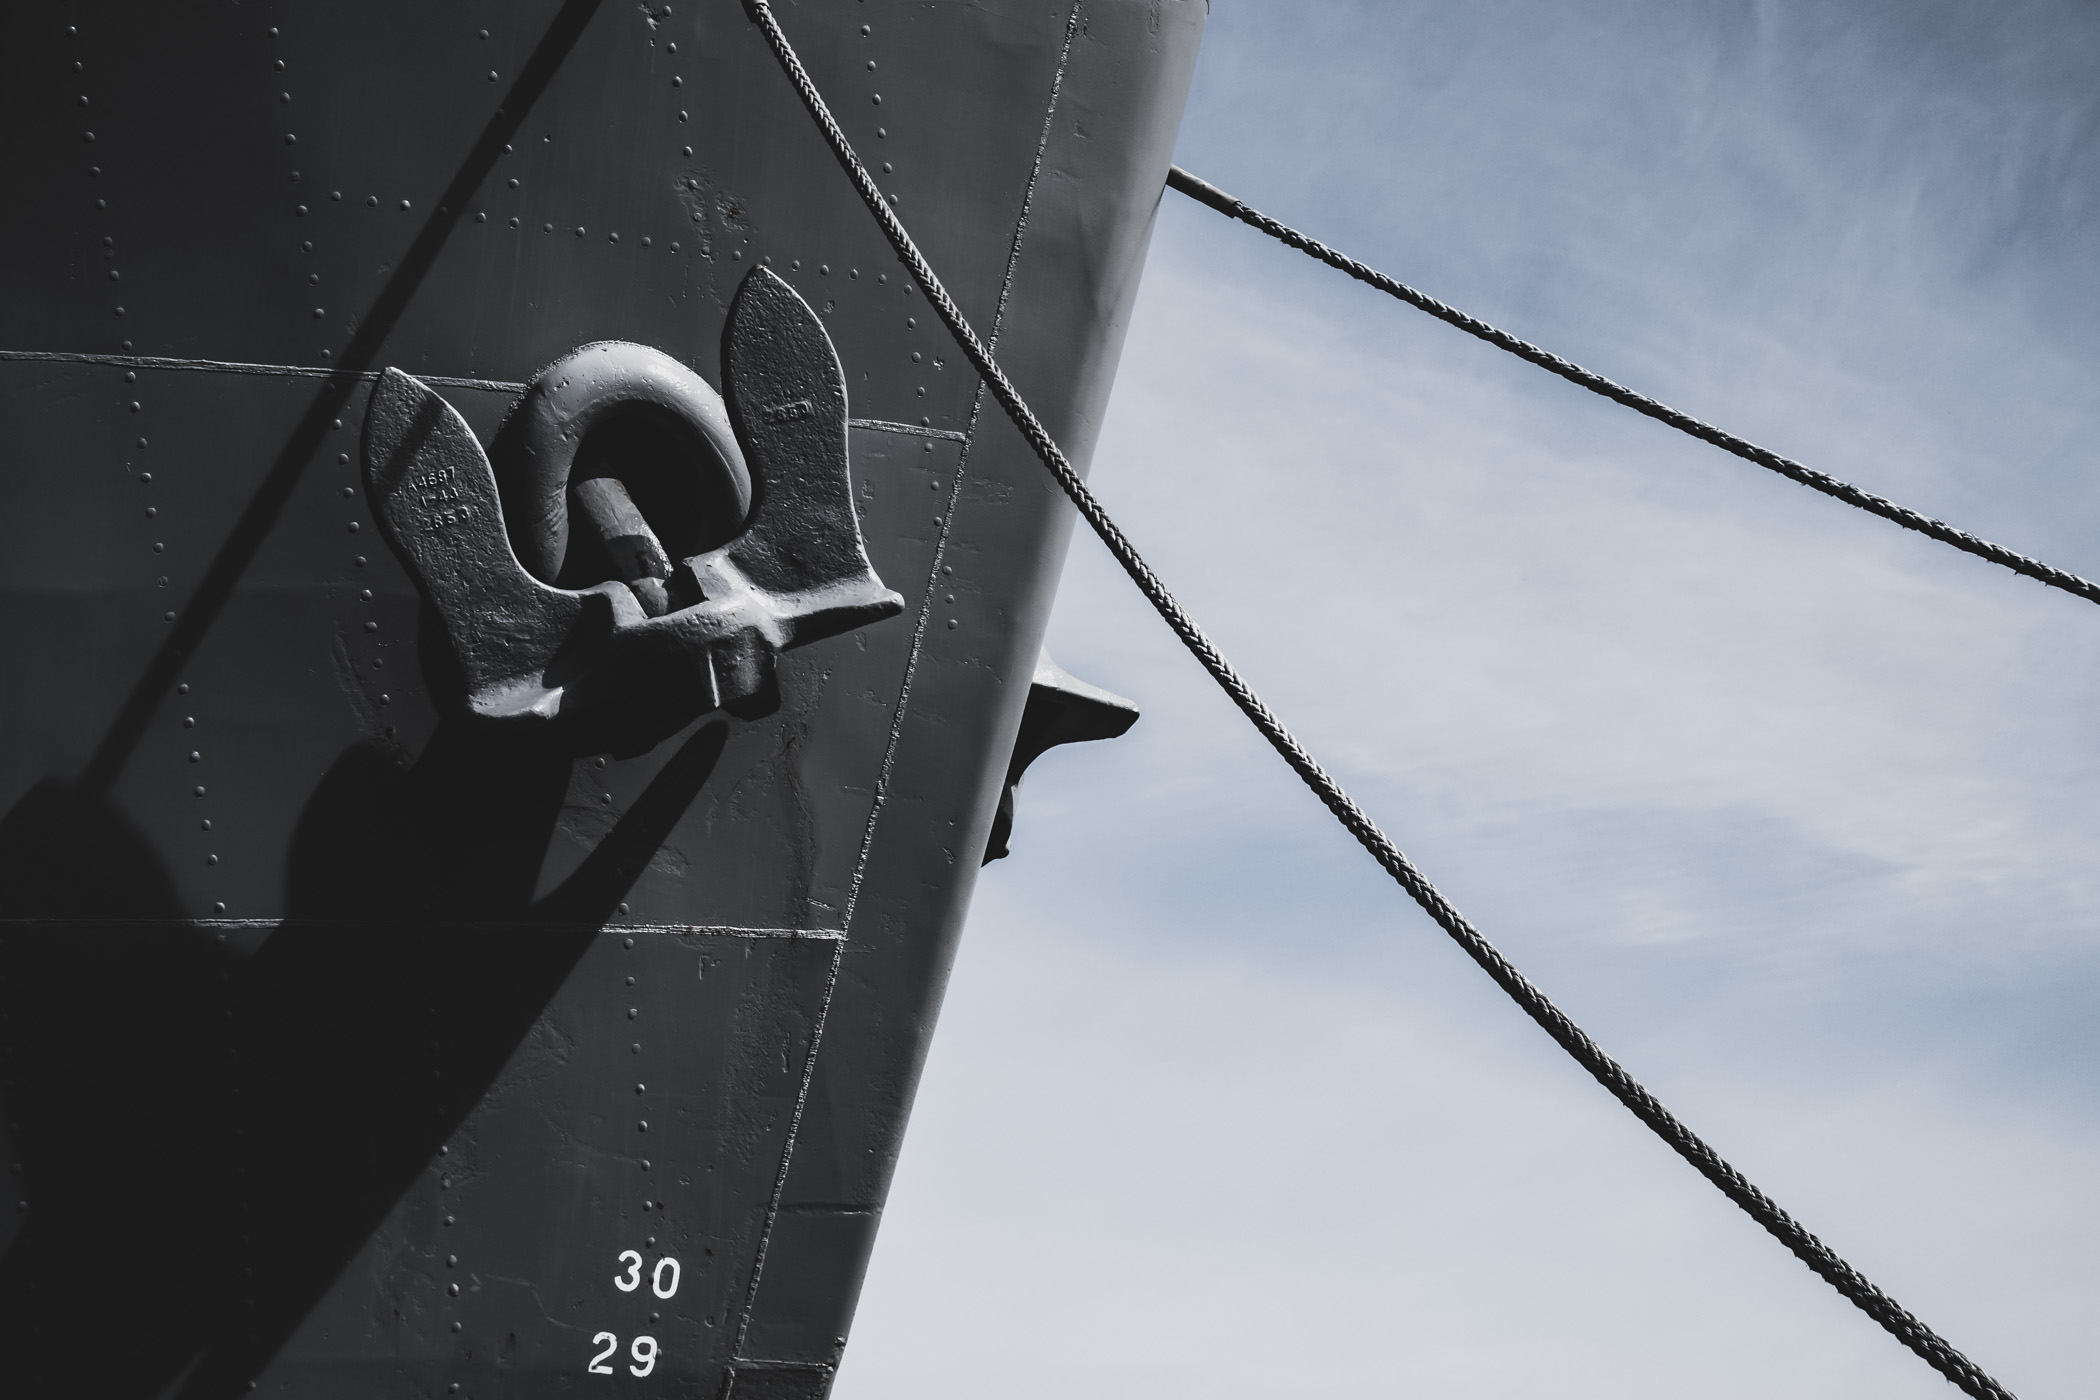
(350, 1048)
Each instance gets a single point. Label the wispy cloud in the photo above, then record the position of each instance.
(1793, 810)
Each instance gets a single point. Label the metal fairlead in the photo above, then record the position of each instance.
(629, 659)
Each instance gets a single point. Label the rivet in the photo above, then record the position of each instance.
(953, 624)
(360, 561)
(319, 313)
(546, 228)
(452, 1261)
(452, 1289)
(881, 132)
(481, 218)
(623, 909)
(158, 546)
(871, 65)
(336, 195)
(371, 201)
(630, 981)
(633, 1011)
(307, 246)
(914, 357)
(613, 237)
(367, 593)
(448, 1220)
(302, 211)
(145, 478)
(645, 241)
(492, 75)
(211, 860)
(142, 443)
(484, 34)
(878, 99)
(688, 150)
(354, 525)
(196, 757)
(579, 230)
(865, 31)
(349, 491)
(513, 223)
(189, 721)
(371, 627)
(675, 82)
(404, 206)
(635, 1049)
(167, 617)
(204, 825)
(337, 425)
(198, 791)
(284, 97)
(290, 139)
(887, 167)
(681, 116)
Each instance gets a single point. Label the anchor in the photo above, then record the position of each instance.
(760, 490)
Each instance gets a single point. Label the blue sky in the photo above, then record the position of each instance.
(1792, 810)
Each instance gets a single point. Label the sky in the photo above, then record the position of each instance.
(1792, 810)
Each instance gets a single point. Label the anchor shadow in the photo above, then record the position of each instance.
(207, 1137)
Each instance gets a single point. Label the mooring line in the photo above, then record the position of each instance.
(1929, 1345)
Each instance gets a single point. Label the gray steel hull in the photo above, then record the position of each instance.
(347, 1046)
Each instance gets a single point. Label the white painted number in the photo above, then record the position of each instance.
(633, 1280)
(663, 1282)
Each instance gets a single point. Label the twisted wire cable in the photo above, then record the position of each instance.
(1607, 1071)
(1203, 192)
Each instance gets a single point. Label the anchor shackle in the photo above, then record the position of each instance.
(617, 462)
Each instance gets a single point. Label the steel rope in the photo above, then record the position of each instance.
(1203, 192)
(1607, 1071)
